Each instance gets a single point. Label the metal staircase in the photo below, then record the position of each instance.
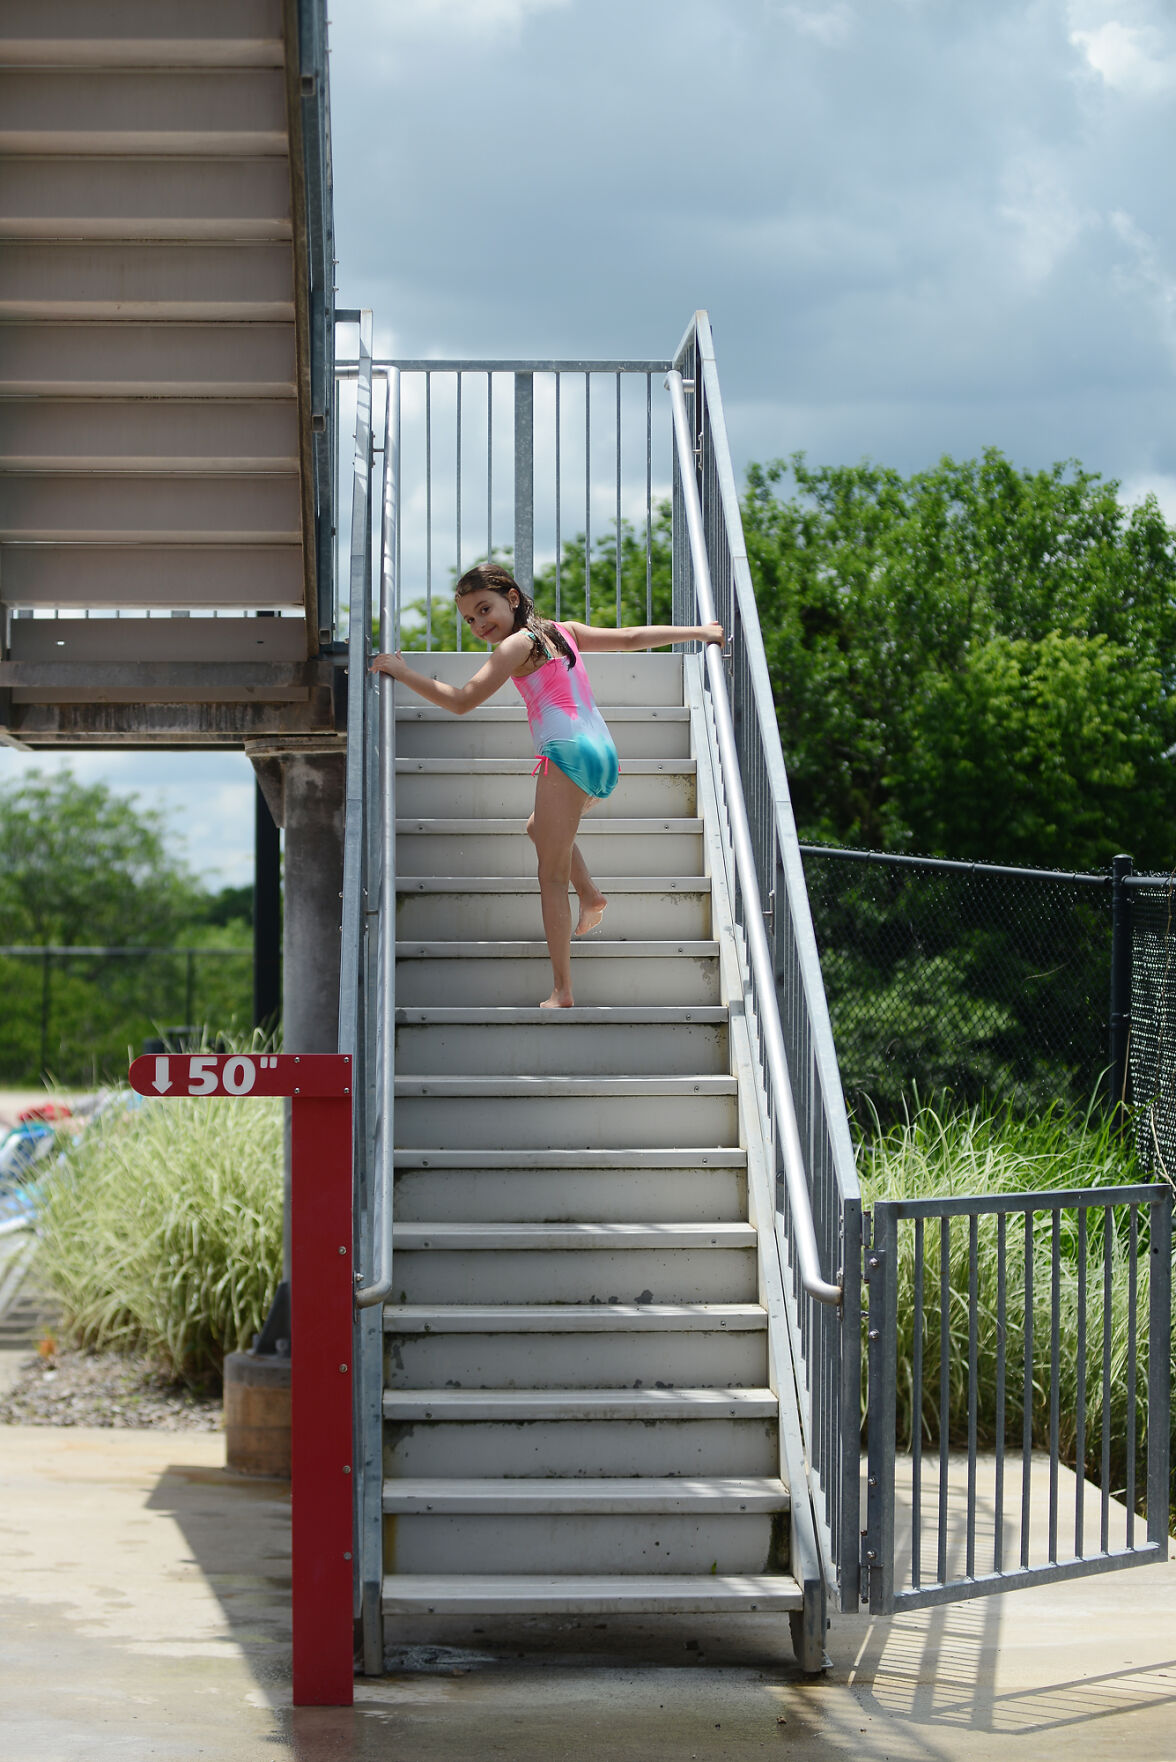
(165, 372)
(578, 1407)
(588, 1266)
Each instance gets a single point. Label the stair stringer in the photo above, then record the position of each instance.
(811, 1571)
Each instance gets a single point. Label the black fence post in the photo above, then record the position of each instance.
(1119, 1064)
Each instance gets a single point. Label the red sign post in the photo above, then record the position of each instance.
(321, 1283)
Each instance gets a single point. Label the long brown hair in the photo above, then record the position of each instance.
(496, 579)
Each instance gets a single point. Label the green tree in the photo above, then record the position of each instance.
(82, 864)
(977, 661)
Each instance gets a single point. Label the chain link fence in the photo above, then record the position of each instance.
(985, 981)
(1153, 1020)
(74, 1014)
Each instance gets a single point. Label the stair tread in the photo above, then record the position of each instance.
(510, 712)
(470, 826)
(608, 884)
(712, 1495)
(512, 1405)
(503, 1318)
(584, 950)
(498, 1015)
(488, 1086)
(685, 1157)
(525, 767)
(591, 1235)
(587, 1594)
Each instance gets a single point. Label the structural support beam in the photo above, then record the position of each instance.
(267, 915)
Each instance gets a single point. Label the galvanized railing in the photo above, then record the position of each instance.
(818, 1200)
(983, 1310)
(512, 459)
(367, 969)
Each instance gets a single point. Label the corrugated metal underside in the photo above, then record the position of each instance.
(153, 376)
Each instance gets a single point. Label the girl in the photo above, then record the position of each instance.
(576, 759)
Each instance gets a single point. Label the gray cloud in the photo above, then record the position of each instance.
(918, 227)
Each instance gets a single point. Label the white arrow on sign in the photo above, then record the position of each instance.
(162, 1080)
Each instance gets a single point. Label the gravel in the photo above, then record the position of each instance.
(68, 1388)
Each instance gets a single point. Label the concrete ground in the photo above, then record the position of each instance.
(144, 1614)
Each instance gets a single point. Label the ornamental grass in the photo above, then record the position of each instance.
(161, 1231)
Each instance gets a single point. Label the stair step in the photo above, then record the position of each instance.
(499, 730)
(413, 1406)
(669, 1494)
(498, 788)
(594, 1594)
(574, 1318)
(526, 1042)
(518, 974)
(566, 1111)
(618, 846)
(519, 1088)
(562, 1238)
(575, 1263)
(642, 679)
(113, 360)
(576, 1345)
(571, 1186)
(678, 1158)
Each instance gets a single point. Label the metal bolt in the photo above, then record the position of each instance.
(347, 1556)
(870, 1554)
(342, 1250)
(874, 1334)
(342, 1367)
(873, 1262)
(873, 1480)
(346, 1468)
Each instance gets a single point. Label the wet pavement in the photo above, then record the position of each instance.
(144, 1614)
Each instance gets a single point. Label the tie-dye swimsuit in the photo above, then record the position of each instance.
(566, 726)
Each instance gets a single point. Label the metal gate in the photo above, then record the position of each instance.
(982, 1312)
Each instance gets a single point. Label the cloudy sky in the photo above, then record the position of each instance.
(920, 227)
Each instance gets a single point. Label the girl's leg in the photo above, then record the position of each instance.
(558, 807)
(592, 901)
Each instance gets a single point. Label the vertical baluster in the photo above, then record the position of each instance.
(457, 624)
(1080, 1391)
(489, 465)
(1105, 1466)
(429, 511)
(1132, 1367)
(649, 498)
(917, 1414)
(1001, 1347)
(587, 498)
(1027, 1394)
(618, 534)
(944, 1385)
(1055, 1279)
(558, 533)
(973, 1383)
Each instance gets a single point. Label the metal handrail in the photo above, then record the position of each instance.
(759, 953)
(384, 1138)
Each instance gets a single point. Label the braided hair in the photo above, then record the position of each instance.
(496, 579)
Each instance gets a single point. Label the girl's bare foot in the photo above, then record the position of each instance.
(591, 912)
(558, 1000)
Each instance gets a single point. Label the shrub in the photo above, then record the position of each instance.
(162, 1230)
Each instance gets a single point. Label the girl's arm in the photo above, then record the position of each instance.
(506, 660)
(642, 636)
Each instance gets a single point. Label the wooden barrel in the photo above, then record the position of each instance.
(257, 1414)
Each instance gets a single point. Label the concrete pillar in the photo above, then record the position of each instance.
(305, 791)
(312, 798)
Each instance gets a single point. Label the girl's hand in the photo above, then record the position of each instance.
(713, 633)
(395, 666)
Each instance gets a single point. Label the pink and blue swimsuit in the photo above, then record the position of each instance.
(566, 726)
